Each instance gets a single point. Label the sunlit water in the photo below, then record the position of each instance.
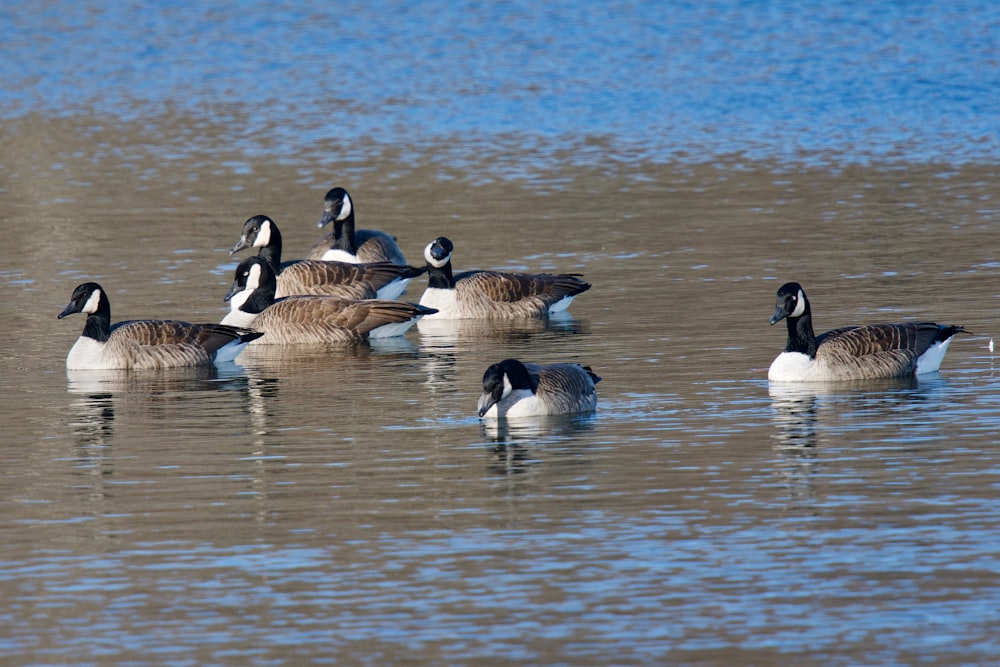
(345, 505)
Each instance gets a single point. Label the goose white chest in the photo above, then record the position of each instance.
(444, 300)
(793, 367)
(87, 353)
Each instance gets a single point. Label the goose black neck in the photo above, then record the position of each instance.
(801, 337)
(440, 278)
(98, 324)
(343, 235)
(271, 253)
(260, 298)
(263, 295)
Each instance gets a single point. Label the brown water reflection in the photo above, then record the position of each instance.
(347, 502)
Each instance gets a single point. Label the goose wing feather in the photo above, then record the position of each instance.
(569, 387)
(307, 319)
(513, 287)
(320, 247)
(164, 343)
(880, 350)
(375, 246)
(348, 281)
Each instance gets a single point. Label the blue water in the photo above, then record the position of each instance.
(848, 81)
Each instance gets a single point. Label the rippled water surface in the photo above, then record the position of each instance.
(345, 506)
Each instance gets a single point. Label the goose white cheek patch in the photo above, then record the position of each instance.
(346, 209)
(263, 236)
(507, 386)
(436, 263)
(253, 278)
(800, 305)
(92, 302)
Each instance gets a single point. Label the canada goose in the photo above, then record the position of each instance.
(311, 318)
(145, 343)
(345, 244)
(385, 280)
(854, 352)
(515, 389)
(493, 294)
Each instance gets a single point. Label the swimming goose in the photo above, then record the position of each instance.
(493, 294)
(311, 318)
(345, 244)
(515, 389)
(145, 343)
(854, 352)
(308, 276)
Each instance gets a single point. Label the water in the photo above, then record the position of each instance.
(613, 81)
(346, 506)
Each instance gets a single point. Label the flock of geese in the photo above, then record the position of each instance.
(347, 289)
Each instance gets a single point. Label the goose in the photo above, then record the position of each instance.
(493, 294)
(145, 344)
(311, 318)
(345, 244)
(854, 352)
(385, 280)
(512, 388)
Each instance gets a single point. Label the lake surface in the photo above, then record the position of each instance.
(345, 505)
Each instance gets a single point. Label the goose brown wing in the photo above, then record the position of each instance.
(361, 289)
(175, 332)
(887, 349)
(379, 274)
(570, 386)
(329, 319)
(348, 281)
(376, 246)
(572, 378)
(162, 343)
(512, 287)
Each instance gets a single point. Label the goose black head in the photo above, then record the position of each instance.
(258, 232)
(790, 302)
(337, 207)
(438, 252)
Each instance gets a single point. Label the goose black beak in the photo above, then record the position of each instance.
(240, 245)
(325, 220)
(234, 289)
(779, 314)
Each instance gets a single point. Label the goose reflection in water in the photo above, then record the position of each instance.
(101, 393)
(519, 444)
(796, 405)
(443, 333)
(92, 422)
(808, 416)
(102, 398)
